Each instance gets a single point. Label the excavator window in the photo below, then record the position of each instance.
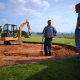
(5, 27)
(9, 31)
(14, 31)
(5, 31)
(10, 27)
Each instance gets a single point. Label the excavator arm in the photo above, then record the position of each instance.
(20, 29)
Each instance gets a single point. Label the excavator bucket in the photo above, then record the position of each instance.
(12, 42)
(27, 36)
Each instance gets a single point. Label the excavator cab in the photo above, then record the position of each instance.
(8, 34)
(9, 31)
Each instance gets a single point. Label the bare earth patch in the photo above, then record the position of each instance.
(30, 53)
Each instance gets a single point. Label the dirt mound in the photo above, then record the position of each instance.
(13, 54)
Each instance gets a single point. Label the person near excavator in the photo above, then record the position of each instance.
(77, 31)
(49, 30)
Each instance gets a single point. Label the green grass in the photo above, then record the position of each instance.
(38, 38)
(71, 36)
(36, 35)
(51, 70)
(55, 40)
(68, 36)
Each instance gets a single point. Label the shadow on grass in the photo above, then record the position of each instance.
(58, 70)
(65, 69)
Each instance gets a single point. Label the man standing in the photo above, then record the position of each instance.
(77, 31)
(49, 30)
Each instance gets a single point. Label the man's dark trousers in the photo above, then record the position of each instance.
(48, 42)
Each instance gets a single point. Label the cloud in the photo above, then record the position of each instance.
(65, 21)
(57, 0)
(24, 11)
(29, 7)
(37, 4)
(71, 8)
(52, 17)
(29, 11)
(3, 21)
(66, 25)
(2, 6)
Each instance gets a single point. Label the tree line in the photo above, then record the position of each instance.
(0, 29)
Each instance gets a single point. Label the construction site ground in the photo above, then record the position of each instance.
(30, 53)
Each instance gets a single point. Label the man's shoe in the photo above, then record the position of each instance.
(77, 59)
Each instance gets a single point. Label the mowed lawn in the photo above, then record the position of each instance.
(65, 69)
(55, 40)
(63, 40)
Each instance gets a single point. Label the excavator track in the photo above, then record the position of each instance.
(12, 42)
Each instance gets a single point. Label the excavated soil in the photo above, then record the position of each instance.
(30, 53)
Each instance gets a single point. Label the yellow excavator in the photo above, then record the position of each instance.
(10, 37)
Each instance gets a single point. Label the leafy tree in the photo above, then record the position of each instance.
(16, 31)
(24, 33)
(0, 29)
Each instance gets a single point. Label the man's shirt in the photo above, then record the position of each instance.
(49, 31)
(77, 31)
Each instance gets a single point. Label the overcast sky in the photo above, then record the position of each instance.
(61, 12)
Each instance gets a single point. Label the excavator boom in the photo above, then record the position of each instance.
(20, 29)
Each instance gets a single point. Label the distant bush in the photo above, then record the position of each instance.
(0, 29)
(24, 33)
(59, 37)
(65, 37)
(39, 33)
